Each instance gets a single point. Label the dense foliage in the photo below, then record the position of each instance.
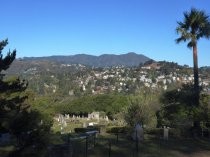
(109, 103)
(64, 80)
(25, 125)
(179, 110)
(142, 109)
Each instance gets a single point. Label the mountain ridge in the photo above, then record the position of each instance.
(104, 60)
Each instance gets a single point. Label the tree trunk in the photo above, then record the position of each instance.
(196, 79)
(196, 127)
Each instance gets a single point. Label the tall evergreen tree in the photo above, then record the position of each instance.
(16, 115)
(5, 62)
(6, 104)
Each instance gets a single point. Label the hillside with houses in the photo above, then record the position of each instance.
(47, 77)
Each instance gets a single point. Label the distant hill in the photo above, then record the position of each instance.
(105, 60)
(56, 75)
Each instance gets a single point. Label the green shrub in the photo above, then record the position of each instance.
(117, 130)
(154, 131)
(173, 132)
(84, 130)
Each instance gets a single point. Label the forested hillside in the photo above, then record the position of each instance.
(47, 77)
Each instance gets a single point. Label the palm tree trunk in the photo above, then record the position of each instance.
(196, 79)
(196, 88)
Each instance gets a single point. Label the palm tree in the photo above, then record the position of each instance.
(196, 25)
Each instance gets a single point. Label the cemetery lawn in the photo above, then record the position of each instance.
(150, 147)
(5, 150)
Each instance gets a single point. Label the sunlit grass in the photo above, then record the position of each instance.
(5, 150)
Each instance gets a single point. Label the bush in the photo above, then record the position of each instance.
(155, 131)
(173, 132)
(117, 130)
(84, 130)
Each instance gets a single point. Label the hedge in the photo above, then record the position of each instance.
(117, 130)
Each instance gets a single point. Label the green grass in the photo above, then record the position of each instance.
(5, 150)
(69, 128)
(151, 147)
(125, 147)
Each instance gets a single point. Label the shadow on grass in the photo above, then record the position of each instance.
(150, 147)
(108, 146)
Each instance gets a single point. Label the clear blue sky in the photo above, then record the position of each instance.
(68, 27)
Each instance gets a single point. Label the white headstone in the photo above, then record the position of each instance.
(64, 123)
(165, 133)
(107, 119)
(67, 116)
(84, 125)
(90, 124)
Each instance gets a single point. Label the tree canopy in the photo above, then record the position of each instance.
(195, 25)
(16, 115)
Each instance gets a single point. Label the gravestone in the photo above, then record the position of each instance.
(165, 133)
(61, 118)
(64, 123)
(90, 124)
(106, 118)
(84, 125)
(138, 133)
(73, 117)
(94, 115)
(67, 116)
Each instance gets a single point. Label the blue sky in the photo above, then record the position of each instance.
(68, 27)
